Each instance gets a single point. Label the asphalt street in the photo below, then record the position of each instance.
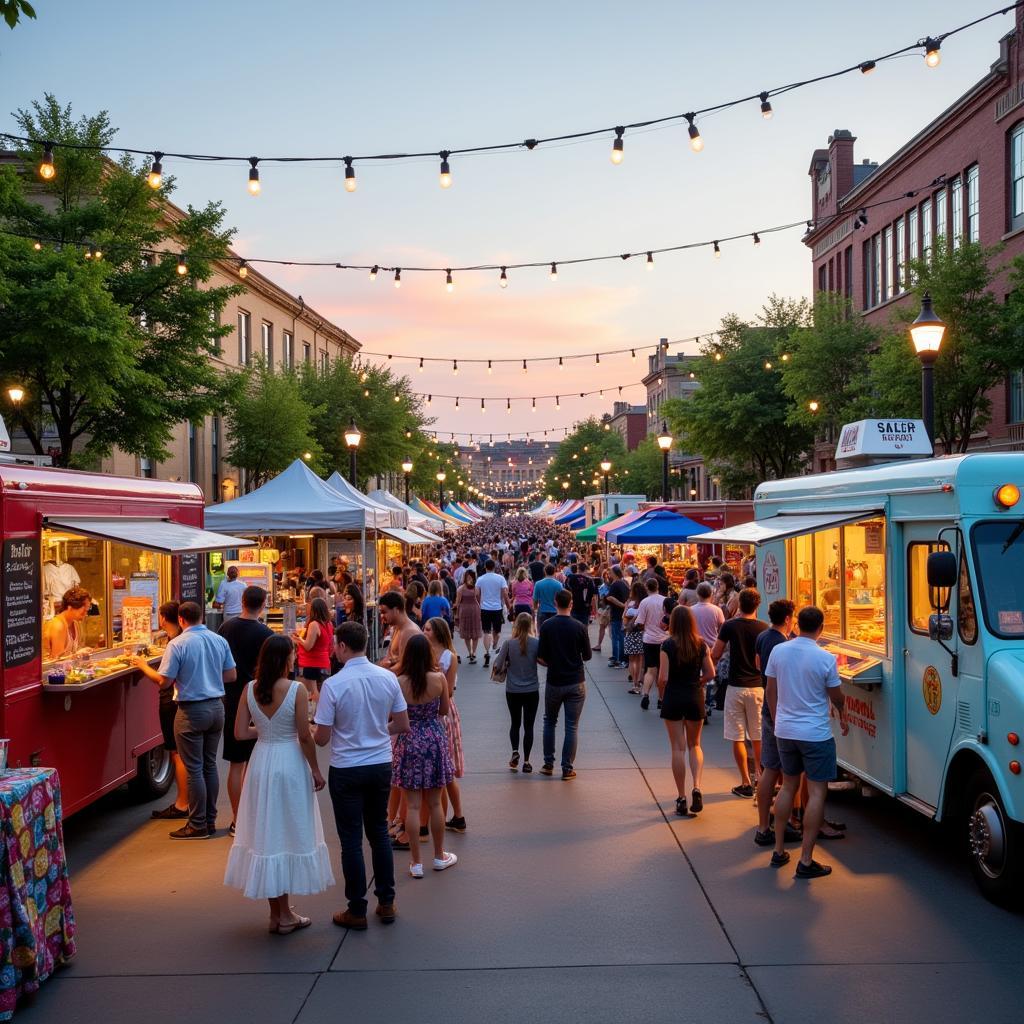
(586, 900)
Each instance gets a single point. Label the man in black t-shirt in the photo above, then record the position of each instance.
(584, 593)
(536, 567)
(745, 696)
(564, 647)
(245, 635)
(617, 596)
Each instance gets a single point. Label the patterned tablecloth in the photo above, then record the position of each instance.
(37, 924)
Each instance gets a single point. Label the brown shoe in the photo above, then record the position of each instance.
(386, 912)
(346, 919)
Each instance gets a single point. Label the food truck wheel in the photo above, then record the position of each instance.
(995, 842)
(155, 773)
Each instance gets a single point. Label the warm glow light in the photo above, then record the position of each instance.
(446, 171)
(1007, 496)
(243, 270)
(932, 57)
(766, 107)
(373, 272)
(15, 394)
(696, 142)
(352, 435)
(650, 261)
(156, 176)
(254, 177)
(37, 245)
(407, 466)
(350, 175)
(307, 456)
(398, 277)
(926, 331)
(664, 438)
(448, 282)
(503, 281)
(46, 169)
(554, 272)
(718, 251)
(182, 267)
(617, 149)
(813, 406)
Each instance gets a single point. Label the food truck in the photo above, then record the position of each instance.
(918, 565)
(70, 697)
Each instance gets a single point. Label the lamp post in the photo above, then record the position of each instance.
(926, 333)
(407, 470)
(352, 439)
(665, 444)
(441, 477)
(606, 468)
(16, 393)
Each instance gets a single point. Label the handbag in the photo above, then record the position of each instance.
(499, 669)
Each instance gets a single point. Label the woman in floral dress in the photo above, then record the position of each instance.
(422, 765)
(467, 614)
(440, 636)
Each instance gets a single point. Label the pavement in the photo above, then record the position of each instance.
(572, 901)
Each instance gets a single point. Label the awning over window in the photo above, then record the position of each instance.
(404, 536)
(431, 538)
(151, 534)
(780, 527)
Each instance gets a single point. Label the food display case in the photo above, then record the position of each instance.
(855, 666)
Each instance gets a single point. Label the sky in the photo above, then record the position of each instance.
(319, 77)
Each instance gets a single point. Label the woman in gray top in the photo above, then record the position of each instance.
(518, 655)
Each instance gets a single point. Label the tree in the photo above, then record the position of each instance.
(12, 10)
(579, 460)
(642, 470)
(113, 352)
(829, 364)
(270, 424)
(983, 344)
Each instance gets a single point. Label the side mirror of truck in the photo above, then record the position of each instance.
(942, 570)
(940, 626)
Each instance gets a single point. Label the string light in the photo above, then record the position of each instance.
(866, 67)
(243, 270)
(483, 408)
(524, 366)
(650, 260)
(350, 175)
(932, 57)
(560, 362)
(696, 142)
(156, 172)
(398, 277)
(421, 364)
(554, 272)
(455, 367)
(766, 107)
(448, 282)
(757, 240)
(46, 169)
(632, 354)
(489, 366)
(558, 402)
(503, 280)
(254, 177)
(446, 171)
(617, 150)
(508, 405)
(718, 252)
(182, 267)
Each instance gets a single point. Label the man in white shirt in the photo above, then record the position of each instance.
(802, 683)
(360, 709)
(229, 594)
(494, 600)
(651, 615)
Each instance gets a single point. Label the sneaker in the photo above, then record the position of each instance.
(514, 763)
(697, 801)
(765, 838)
(567, 774)
(386, 912)
(399, 844)
(812, 870)
(743, 791)
(612, 663)
(416, 870)
(645, 702)
(636, 691)
(424, 831)
(188, 832)
(487, 659)
(454, 824)
(211, 830)
(449, 860)
(681, 806)
(780, 859)
(547, 769)
(527, 767)
(353, 922)
(170, 812)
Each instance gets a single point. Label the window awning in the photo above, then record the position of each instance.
(405, 536)
(431, 538)
(785, 525)
(151, 534)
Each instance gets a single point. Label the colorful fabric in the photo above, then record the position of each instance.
(453, 727)
(37, 923)
(422, 758)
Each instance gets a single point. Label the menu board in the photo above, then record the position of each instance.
(136, 620)
(20, 598)
(191, 581)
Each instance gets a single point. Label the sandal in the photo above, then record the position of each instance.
(293, 926)
(828, 836)
(397, 842)
(633, 690)
(839, 826)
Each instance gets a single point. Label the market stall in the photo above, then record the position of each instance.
(718, 515)
(664, 534)
(427, 526)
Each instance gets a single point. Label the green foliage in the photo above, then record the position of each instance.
(12, 10)
(642, 470)
(579, 461)
(112, 352)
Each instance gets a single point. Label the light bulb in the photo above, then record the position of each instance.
(554, 272)
(813, 406)
(455, 367)
(508, 405)
(46, 169)
(558, 402)
(524, 366)
(156, 172)
(617, 150)
(446, 171)
(757, 239)
(766, 107)
(867, 67)
(37, 245)
(560, 362)
(483, 408)
(650, 261)
(373, 272)
(421, 364)
(398, 277)
(254, 177)
(350, 175)
(503, 280)
(97, 254)
(243, 270)
(489, 370)
(696, 142)
(932, 57)
(182, 267)
(448, 282)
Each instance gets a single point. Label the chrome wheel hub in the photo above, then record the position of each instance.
(986, 836)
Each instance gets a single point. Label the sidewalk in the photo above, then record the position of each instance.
(582, 901)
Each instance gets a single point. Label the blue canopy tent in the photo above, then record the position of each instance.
(451, 509)
(657, 527)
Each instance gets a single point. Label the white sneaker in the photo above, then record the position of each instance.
(416, 870)
(449, 860)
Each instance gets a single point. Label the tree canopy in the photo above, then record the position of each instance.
(579, 458)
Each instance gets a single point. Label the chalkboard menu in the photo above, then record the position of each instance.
(191, 579)
(20, 600)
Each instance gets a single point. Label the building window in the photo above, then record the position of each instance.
(926, 228)
(215, 458)
(288, 345)
(307, 353)
(1017, 397)
(848, 271)
(1017, 177)
(821, 278)
(940, 213)
(146, 468)
(325, 361)
(900, 283)
(956, 192)
(244, 338)
(192, 453)
(973, 205)
(889, 288)
(267, 342)
(876, 259)
(913, 253)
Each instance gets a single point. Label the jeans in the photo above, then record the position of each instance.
(618, 640)
(197, 730)
(360, 799)
(522, 707)
(572, 697)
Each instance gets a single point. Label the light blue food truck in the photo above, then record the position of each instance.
(918, 565)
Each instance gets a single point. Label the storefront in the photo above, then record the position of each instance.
(87, 561)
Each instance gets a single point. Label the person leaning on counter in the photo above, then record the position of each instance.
(63, 633)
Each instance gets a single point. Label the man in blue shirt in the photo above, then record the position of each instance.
(544, 594)
(197, 663)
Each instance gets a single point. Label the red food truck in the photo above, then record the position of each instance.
(69, 697)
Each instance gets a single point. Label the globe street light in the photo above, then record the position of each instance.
(15, 393)
(352, 439)
(606, 467)
(926, 333)
(441, 477)
(407, 469)
(665, 444)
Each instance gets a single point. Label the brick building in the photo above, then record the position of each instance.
(629, 422)
(967, 167)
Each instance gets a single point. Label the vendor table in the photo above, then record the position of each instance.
(37, 923)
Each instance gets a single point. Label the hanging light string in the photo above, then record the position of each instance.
(508, 399)
(930, 45)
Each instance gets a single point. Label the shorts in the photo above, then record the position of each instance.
(492, 621)
(604, 616)
(743, 713)
(235, 751)
(683, 703)
(652, 655)
(168, 709)
(769, 746)
(318, 675)
(816, 758)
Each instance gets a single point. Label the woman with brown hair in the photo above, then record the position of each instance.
(518, 656)
(467, 614)
(685, 668)
(314, 645)
(633, 638)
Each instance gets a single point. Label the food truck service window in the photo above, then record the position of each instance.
(842, 571)
(999, 565)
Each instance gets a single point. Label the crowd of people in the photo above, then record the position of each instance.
(394, 730)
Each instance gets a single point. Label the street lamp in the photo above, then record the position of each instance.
(441, 477)
(665, 444)
(606, 467)
(407, 469)
(352, 439)
(15, 393)
(926, 333)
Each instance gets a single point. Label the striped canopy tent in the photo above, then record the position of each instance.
(430, 509)
(482, 513)
(463, 508)
(590, 532)
(657, 526)
(570, 513)
(451, 509)
(418, 521)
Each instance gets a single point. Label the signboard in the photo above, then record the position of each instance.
(146, 584)
(137, 620)
(191, 581)
(771, 578)
(21, 602)
(883, 439)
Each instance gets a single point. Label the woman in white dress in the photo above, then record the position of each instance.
(279, 847)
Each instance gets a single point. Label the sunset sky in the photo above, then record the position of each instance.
(320, 78)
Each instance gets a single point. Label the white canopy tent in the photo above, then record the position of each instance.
(417, 520)
(383, 515)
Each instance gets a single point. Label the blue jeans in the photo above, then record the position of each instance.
(360, 799)
(198, 726)
(618, 640)
(572, 698)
